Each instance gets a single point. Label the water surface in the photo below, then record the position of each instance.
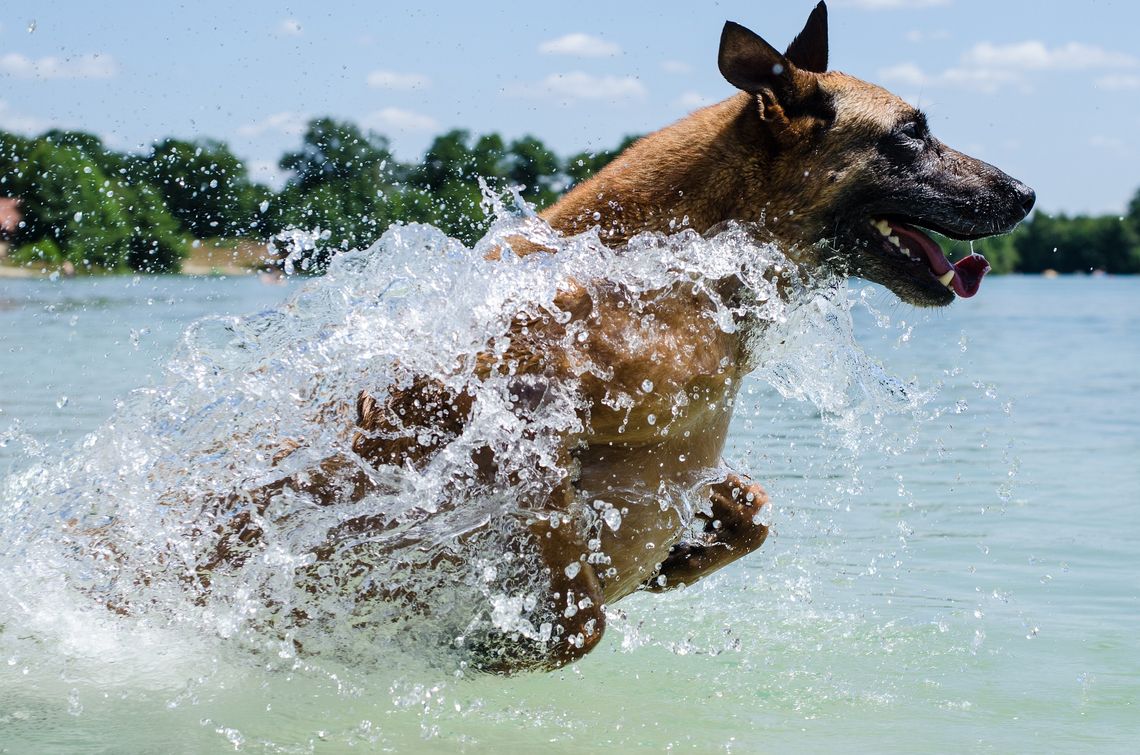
(965, 579)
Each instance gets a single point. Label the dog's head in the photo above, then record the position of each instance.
(853, 164)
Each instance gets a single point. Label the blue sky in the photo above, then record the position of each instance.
(1048, 91)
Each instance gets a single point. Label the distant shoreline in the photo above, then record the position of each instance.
(205, 259)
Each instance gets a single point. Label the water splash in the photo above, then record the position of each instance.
(115, 534)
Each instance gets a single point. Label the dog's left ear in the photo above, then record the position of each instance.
(751, 64)
(808, 51)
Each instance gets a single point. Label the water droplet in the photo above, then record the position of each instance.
(647, 386)
(32, 26)
(651, 419)
(61, 402)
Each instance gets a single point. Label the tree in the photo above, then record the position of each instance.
(206, 187)
(534, 167)
(80, 206)
(581, 166)
(341, 180)
(445, 186)
(1133, 216)
(68, 199)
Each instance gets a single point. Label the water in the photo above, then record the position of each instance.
(952, 565)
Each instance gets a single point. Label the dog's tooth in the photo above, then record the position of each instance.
(946, 278)
(883, 227)
(894, 240)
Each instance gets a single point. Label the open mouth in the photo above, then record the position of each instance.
(963, 277)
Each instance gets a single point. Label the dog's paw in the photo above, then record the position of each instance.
(741, 512)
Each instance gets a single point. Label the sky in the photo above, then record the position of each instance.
(1048, 91)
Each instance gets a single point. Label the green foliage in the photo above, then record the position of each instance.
(205, 186)
(581, 166)
(80, 206)
(1081, 244)
(68, 198)
(44, 250)
(341, 180)
(1133, 216)
(535, 168)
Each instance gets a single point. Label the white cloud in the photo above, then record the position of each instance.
(290, 26)
(692, 100)
(974, 79)
(580, 45)
(676, 67)
(267, 172)
(21, 123)
(916, 36)
(576, 85)
(1034, 55)
(1119, 82)
(905, 74)
(289, 123)
(392, 119)
(893, 4)
(1112, 144)
(989, 68)
(90, 66)
(394, 80)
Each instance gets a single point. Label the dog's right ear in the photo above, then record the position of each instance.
(752, 65)
(809, 49)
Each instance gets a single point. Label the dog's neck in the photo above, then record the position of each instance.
(709, 168)
(692, 174)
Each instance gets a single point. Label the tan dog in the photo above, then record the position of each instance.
(805, 154)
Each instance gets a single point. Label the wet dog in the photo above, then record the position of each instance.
(838, 169)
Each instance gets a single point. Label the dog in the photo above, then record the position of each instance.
(800, 154)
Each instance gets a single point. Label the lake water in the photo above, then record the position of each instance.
(968, 580)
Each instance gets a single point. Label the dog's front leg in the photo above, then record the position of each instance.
(735, 528)
(572, 607)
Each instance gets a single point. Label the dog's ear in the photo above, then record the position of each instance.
(751, 64)
(808, 51)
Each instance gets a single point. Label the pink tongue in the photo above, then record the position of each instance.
(968, 271)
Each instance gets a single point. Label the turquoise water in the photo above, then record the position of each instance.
(966, 579)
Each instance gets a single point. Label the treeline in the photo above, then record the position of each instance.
(1067, 244)
(97, 208)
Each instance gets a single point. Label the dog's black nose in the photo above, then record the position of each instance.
(1026, 196)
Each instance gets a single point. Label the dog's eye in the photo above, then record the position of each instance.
(909, 137)
(912, 131)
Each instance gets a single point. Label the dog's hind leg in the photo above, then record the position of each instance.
(735, 528)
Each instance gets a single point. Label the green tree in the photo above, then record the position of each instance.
(68, 199)
(77, 195)
(1133, 216)
(999, 251)
(341, 183)
(206, 187)
(581, 166)
(534, 167)
(444, 188)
